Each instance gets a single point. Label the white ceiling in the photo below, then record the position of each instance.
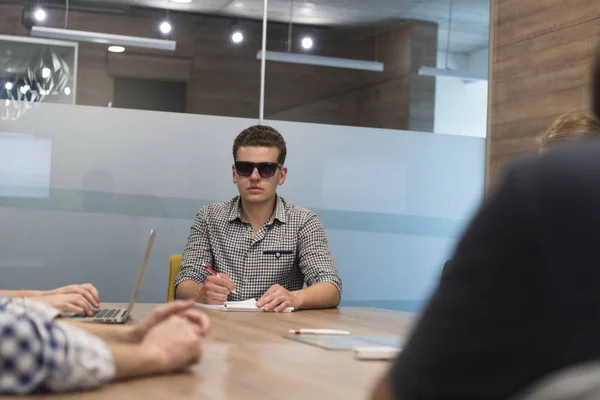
(469, 28)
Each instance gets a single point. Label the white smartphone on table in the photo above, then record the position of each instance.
(376, 353)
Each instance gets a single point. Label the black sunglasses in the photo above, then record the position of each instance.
(265, 169)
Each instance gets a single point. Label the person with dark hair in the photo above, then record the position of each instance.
(258, 245)
(520, 298)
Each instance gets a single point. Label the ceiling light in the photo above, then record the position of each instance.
(46, 72)
(44, 92)
(67, 91)
(24, 89)
(8, 86)
(39, 14)
(237, 37)
(451, 73)
(165, 27)
(307, 43)
(104, 38)
(116, 49)
(182, 1)
(310, 59)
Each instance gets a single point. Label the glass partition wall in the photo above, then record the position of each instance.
(147, 140)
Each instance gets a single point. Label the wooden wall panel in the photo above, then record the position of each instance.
(342, 109)
(397, 98)
(380, 104)
(94, 83)
(146, 66)
(422, 88)
(519, 20)
(10, 21)
(541, 57)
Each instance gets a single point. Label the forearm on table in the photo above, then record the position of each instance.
(21, 293)
(134, 360)
(188, 290)
(319, 295)
(108, 333)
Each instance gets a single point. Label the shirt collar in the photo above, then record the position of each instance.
(280, 213)
(235, 213)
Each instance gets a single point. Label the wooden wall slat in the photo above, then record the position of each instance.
(520, 20)
(542, 52)
(146, 66)
(550, 102)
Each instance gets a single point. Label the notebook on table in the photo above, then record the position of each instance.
(239, 306)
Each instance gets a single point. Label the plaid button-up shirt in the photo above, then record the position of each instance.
(290, 249)
(39, 354)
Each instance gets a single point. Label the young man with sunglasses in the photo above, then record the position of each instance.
(258, 245)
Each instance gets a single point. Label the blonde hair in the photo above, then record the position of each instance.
(570, 126)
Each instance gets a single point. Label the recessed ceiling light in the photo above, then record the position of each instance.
(182, 1)
(46, 72)
(24, 89)
(165, 27)
(39, 14)
(8, 86)
(237, 37)
(67, 90)
(307, 43)
(116, 49)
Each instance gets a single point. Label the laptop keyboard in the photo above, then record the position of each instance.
(100, 313)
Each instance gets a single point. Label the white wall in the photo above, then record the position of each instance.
(461, 107)
(478, 61)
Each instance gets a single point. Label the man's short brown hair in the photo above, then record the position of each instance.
(260, 136)
(570, 126)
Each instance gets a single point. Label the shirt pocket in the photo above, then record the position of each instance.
(279, 264)
(278, 253)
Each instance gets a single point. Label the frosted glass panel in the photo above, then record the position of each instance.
(393, 202)
(25, 162)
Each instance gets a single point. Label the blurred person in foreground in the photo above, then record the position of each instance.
(39, 352)
(568, 127)
(521, 298)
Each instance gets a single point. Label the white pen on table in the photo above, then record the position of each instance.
(305, 331)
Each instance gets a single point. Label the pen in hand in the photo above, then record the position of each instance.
(213, 272)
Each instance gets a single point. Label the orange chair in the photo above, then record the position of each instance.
(174, 266)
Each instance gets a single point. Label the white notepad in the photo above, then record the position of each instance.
(246, 305)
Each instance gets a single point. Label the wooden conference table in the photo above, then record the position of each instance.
(246, 357)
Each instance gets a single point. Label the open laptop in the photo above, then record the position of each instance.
(118, 315)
